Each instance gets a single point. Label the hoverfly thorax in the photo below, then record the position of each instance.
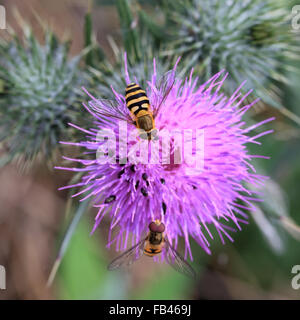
(155, 237)
(145, 121)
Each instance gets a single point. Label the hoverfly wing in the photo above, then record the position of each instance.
(109, 109)
(164, 86)
(175, 260)
(128, 257)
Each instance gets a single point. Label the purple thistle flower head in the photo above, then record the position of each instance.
(187, 200)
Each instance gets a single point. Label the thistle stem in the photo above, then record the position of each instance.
(67, 238)
(290, 115)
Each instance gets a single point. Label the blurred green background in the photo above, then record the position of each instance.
(33, 219)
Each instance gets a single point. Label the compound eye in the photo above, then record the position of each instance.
(143, 135)
(153, 227)
(161, 228)
(154, 134)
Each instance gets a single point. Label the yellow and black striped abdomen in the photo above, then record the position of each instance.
(151, 249)
(150, 252)
(136, 99)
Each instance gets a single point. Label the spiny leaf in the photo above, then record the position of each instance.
(129, 31)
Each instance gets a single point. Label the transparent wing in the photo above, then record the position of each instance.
(164, 86)
(128, 257)
(175, 260)
(104, 108)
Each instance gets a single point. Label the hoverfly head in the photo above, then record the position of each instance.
(157, 226)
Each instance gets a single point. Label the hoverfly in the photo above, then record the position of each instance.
(142, 112)
(151, 246)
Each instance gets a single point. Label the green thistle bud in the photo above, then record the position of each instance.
(251, 39)
(39, 95)
(141, 42)
(106, 74)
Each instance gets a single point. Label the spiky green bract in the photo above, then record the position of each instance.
(39, 97)
(141, 39)
(251, 39)
(107, 74)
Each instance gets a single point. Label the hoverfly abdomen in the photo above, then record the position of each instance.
(150, 252)
(136, 99)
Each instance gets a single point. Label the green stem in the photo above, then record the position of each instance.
(65, 243)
